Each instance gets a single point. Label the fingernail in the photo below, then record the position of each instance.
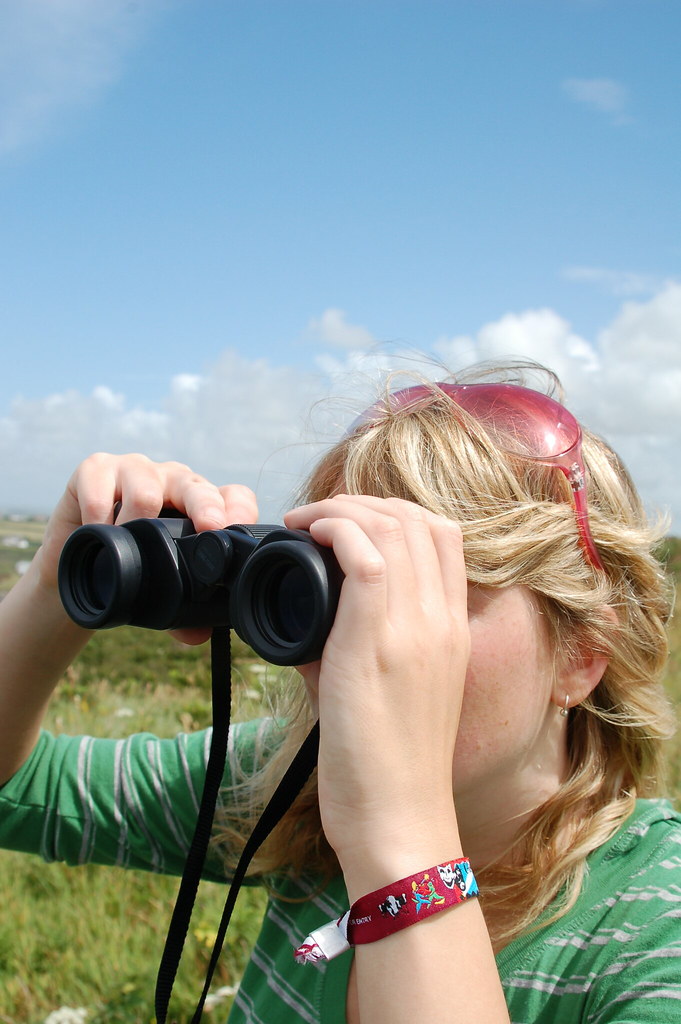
(217, 515)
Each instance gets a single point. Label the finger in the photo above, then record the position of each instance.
(436, 546)
(209, 507)
(401, 531)
(376, 551)
(96, 487)
(379, 554)
(107, 486)
(422, 529)
(145, 488)
(240, 503)
(448, 541)
(139, 489)
(361, 637)
(192, 636)
(195, 497)
(364, 591)
(446, 531)
(310, 676)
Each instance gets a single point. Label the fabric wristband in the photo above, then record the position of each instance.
(396, 906)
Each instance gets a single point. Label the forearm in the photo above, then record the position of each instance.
(441, 971)
(38, 641)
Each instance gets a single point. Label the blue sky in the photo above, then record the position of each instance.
(213, 211)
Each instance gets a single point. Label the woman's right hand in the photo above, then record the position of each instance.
(141, 488)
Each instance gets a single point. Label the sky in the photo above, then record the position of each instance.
(223, 221)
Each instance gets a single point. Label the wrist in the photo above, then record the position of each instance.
(379, 914)
(367, 866)
(43, 573)
(39, 594)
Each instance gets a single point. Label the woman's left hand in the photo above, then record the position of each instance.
(390, 682)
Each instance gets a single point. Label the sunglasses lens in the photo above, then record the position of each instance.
(521, 421)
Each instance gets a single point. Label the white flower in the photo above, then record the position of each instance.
(67, 1015)
(217, 997)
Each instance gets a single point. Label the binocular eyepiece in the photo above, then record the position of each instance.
(276, 588)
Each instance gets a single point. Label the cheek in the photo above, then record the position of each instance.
(508, 686)
(488, 715)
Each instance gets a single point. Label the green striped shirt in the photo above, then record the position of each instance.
(614, 959)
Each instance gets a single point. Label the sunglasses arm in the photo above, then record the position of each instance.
(576, 477)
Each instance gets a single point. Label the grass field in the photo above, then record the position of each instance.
(92, 938)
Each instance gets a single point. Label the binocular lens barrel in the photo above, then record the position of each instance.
(99, 575)
(97, 578)
(284, 608)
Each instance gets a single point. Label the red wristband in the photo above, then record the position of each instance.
(410, 900)
(387, 910)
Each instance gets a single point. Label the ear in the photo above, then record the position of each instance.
(582, 672)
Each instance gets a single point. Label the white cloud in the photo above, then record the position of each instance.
(58, 54)
(249, 421)
(332, 328)
(541, 335)
(185, 382)
(640, 395)
(647, 332)
(243, 420)
(109, 399)
(620, 283)
(604, 95)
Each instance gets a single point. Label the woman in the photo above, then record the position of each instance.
(489, 693)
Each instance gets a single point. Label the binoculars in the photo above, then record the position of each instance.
(276, 588)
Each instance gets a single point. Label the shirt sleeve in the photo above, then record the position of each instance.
(132, 803)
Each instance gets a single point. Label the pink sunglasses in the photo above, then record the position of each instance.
(521, 422)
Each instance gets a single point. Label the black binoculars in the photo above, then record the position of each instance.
(276, 588)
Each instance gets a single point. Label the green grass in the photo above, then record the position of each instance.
(25, 530)
(92, 937)
(31, 529)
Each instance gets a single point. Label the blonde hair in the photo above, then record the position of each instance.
(519, 528)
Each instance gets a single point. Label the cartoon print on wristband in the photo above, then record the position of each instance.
(393, 904)
(459, 874)
(424, 893)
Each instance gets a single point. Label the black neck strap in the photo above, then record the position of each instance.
(284, 795)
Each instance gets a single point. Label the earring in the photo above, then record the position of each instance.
(564, 709)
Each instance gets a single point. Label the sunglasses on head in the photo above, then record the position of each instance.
(521, 422)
